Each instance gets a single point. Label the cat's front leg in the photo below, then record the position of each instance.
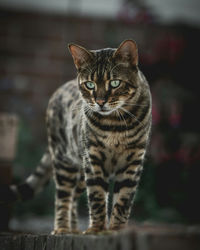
(97, 190)
(126, 183)
(78, 191)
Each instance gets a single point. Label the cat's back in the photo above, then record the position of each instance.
(64, 101)
(65, 95)
(63, 118)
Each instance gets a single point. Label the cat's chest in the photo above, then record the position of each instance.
(111, 152)
(114, 161)
(115, 141)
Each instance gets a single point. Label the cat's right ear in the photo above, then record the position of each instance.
(81, 56)
(127, 53)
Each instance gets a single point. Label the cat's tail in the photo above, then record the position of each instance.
(31, 186)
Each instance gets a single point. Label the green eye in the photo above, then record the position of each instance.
(90, 85)
(115, 83)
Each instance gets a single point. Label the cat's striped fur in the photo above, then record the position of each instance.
(95, 131)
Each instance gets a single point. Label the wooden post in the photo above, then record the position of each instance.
(140, 237)
(8, 138)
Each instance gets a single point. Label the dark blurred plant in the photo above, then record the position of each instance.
(28, 155)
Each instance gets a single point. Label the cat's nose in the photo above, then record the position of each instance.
(100, 101)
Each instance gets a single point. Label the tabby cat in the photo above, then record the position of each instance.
(98, 126)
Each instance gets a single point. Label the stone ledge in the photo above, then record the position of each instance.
(142, 237)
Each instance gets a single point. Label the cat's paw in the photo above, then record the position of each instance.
(115, 228)
(94, 230)
(61, 231)
(76, 231)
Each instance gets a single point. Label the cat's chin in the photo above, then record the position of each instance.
(105, 112)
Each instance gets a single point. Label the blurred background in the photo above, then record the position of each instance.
(34, 62)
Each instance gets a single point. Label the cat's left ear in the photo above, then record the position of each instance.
(81, 56)
(127, 53)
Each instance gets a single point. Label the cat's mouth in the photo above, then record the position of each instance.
(105, 111)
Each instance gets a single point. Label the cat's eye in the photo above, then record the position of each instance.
(90, 85)
(115, 83)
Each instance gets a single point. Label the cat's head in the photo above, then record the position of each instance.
(107, 77)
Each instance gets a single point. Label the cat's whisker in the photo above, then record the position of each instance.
(118, 114)
(75, 107)
(89, 111)
(134, 104)
(131, 115)
(131, 104)
(121, 115)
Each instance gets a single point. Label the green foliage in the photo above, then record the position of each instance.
(29, 153)
(146, 206)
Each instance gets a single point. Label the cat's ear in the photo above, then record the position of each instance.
(81, 56)
(127, 53)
